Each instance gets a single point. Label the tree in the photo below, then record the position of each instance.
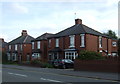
(119, 47)
(111, 34)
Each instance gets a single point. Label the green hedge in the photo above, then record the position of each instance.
(90, 55)
(42, 64)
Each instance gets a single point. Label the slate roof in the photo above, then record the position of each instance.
(78, 29)
(22, 39)
(43, 37)
(4, 44)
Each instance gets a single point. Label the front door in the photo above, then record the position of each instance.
(20, 58)
(28, 57)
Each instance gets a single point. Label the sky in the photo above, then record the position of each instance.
(52, 16)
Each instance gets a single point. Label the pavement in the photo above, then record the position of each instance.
(67, 73)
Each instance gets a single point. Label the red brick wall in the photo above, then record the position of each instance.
(91, 42)
(66, 42)
(107, 65)
(26, 49)
(109, 46)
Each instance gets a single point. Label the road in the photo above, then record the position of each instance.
(29, 74)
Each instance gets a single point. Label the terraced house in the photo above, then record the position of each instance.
(69, 42)
(19, 49)
(39, 47)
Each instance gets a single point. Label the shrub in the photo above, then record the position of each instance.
(47, 65)
(41, 64)
(90, 55)
(35, 62)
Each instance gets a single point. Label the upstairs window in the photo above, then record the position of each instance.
(114, 44)
(49, 43)
(16, 47)
(21, 47)
(72, 41)
(38, 45)
(82, 37)
(100, 41)
(32, 45)
(57, 42)
(9, 47)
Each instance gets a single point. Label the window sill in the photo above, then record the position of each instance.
(82, 46)
(71, 46)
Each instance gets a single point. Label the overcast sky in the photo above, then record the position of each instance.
(38, 17)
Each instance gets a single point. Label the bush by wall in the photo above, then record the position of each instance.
(38, 63)
(90, 55)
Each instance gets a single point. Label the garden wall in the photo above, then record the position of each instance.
(108, 65)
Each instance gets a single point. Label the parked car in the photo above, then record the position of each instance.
(63, 63)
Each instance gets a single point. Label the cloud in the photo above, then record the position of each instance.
(19, 8)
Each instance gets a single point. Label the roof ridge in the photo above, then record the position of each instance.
(25, 39)
(83, 28)
(93, 29)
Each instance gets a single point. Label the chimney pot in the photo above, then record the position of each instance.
(78, 21)
(24, 32)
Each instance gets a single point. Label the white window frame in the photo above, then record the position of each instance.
(9, 47)
(100, 41)
(70, 55)
(49, 43)
(38, 44)
(114, 44)
(33, 45)
(8, 56)
(82, 40)
(114, 54)
(15, 57)
(16, 47)
(21, 47)
(36, 56)
(72, 41)
(57, 42)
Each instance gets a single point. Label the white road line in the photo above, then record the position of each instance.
(0, 71)
(17, 74)
(50, 80)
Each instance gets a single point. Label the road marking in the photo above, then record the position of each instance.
(50, 80)
(65, 75)
(0, 71)
(17, 74)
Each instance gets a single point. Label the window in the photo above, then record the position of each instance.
(114, 44)
(9, 47)
(100, 41)
(114, 54)
(32, 45)
(49, 43)
(71, 55)
(8, 56)
(82, 40)
(14, 57)
(36, 55)
(72, 40)
(38, 45)
(16, 47)
(57, 42)
(21, 47)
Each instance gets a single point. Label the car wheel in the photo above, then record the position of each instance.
(64, 67)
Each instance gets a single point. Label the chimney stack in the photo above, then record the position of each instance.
(1, 40)
(78, 21)
(24, 33)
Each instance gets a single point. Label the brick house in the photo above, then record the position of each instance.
(69, 42)
(19, 49)
(3, 45)
(39, 47)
